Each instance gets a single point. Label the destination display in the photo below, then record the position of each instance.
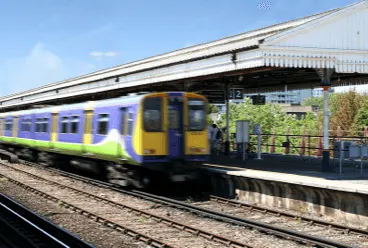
(214, 96)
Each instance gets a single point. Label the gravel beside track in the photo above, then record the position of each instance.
(86, 229)
(240, 234)
(151, 228)
(359, 240)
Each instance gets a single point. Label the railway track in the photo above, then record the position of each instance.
(339, 233)
(250, 208)
(260, 226)
(169, 223)
(20, 227)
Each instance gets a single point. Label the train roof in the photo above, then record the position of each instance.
(99, 103)
(130, 99)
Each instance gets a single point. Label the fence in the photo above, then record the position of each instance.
(301, 144)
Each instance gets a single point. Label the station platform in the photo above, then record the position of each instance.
(297, 170)
(294, 183)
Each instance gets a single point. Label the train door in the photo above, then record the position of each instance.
(1, 126)
(88, 129)
(176, 127)
(33, 130)
(15, 128)
(54, 129)
(123, 132)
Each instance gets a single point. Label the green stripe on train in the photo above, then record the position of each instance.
(106, 150)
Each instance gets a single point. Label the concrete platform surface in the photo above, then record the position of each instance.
(295, 170)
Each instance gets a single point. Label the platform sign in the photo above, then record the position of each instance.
(257, 129)
(214, 96)
(258, 99)
(236, 94)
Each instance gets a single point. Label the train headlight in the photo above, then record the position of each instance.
(197, 150)
(149, 151)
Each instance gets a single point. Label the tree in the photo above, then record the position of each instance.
(344, 111)
(361, 118)
(212, 109)
(314, 101)
(348, 110)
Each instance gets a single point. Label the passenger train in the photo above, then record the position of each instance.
(130, 139)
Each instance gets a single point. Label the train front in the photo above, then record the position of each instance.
(183, 142)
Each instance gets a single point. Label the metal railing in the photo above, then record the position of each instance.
(305, 146)
(298, 144)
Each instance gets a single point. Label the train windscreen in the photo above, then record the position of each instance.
(152, 114)
(196, 114)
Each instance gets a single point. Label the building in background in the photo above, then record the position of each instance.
(287, 97)
(293, 97)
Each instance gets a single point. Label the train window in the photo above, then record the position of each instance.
(130, 124)
(25, 125)
(173, 119)
(42, 125)
(64, 124)
(9, 125)
(45, 125)
(196, 115)
(102, 124)
(22, 126)
(123, 113)
(75, 124)
(152, 114)
(1, 126)
(38, 125)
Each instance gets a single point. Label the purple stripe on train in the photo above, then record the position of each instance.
(116, 123)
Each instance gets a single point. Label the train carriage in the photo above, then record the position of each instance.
(128, 138)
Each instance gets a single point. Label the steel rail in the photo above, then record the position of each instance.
(20, 227)
(135, 234)
(260, 226)
(311, 221)
(157, 218)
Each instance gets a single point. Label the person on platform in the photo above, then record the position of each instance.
(215, 138)
(209, 129)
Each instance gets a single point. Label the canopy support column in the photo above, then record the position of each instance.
(325, 75)
(227, 142)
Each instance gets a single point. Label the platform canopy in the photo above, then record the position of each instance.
(292, 53)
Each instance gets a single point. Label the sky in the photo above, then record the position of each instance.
(44, 42)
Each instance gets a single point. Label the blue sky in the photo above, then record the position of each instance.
(47, 41)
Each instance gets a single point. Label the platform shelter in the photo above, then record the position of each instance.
(326, 49)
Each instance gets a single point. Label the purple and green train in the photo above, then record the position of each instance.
(129, 139)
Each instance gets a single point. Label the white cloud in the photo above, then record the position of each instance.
(39, 67)
(99, 55)
(111, 54)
